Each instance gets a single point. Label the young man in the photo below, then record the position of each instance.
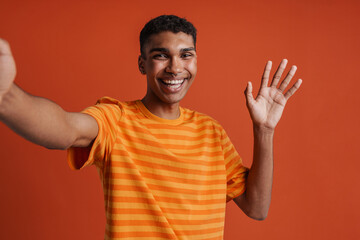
(167, 171)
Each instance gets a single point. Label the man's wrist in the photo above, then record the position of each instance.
(5, 95)
(263, 130)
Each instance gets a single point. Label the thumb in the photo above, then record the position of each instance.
(248, 94)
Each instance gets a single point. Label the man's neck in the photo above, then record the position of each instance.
(161, 109)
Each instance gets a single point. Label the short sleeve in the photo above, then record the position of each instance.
(107, 115)
(236, 173)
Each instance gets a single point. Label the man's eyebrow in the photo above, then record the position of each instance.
(167, 50)
(159, 50)
(187, 49)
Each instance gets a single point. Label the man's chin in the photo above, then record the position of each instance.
(172, 99)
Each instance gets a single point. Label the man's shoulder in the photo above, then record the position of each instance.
(115, 102)
(109, 107)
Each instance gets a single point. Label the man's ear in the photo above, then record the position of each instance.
(141, 64)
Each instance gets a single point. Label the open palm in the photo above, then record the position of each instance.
(266, 109)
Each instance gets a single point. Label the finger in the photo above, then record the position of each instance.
(266, 74)
(279, 72)
(293, 89)
(4, 47)
(248, 93)
(288, 78)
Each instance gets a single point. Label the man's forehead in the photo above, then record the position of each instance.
(168, 40)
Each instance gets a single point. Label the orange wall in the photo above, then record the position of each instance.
(74, 52)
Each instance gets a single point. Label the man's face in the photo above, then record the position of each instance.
(170, 65)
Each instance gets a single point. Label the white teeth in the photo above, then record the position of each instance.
(173, 81)
(174, 86)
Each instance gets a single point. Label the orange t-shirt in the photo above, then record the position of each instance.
(162, 179)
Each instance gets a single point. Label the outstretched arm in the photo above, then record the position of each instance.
(38, 119)
(265, 112)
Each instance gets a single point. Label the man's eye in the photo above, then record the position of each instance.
(160, 56)
(186, 55)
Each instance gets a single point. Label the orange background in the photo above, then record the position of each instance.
(75, 52)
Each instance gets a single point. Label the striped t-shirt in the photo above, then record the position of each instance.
(162, 179)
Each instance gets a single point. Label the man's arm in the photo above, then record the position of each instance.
(265, 111)
(38, 119)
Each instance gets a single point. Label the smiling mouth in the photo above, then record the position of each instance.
(173, 83)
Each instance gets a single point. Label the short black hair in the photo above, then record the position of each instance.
(165, 23)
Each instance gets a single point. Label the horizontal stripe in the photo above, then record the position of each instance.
(165, 211)
(193, 122)
(208, 147)
(142, 215)
(200, 228)
(168, 141)
(139, 234)
(170, 135)
(161, 194)
(194, 222)
(170, 190)
(198, 231)
(132, 168)
(165, 198)
(118, 178)
(186, 129)
(134, 191)
(153, 154)
(137, 223)
(125, 225)
(182, 221)
(190, 125)
(121, 201)
(192, 171)
(124, 173)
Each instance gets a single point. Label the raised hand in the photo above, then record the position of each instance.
(7, 67)
(266, 109)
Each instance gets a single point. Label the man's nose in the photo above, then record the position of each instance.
(175, 66)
